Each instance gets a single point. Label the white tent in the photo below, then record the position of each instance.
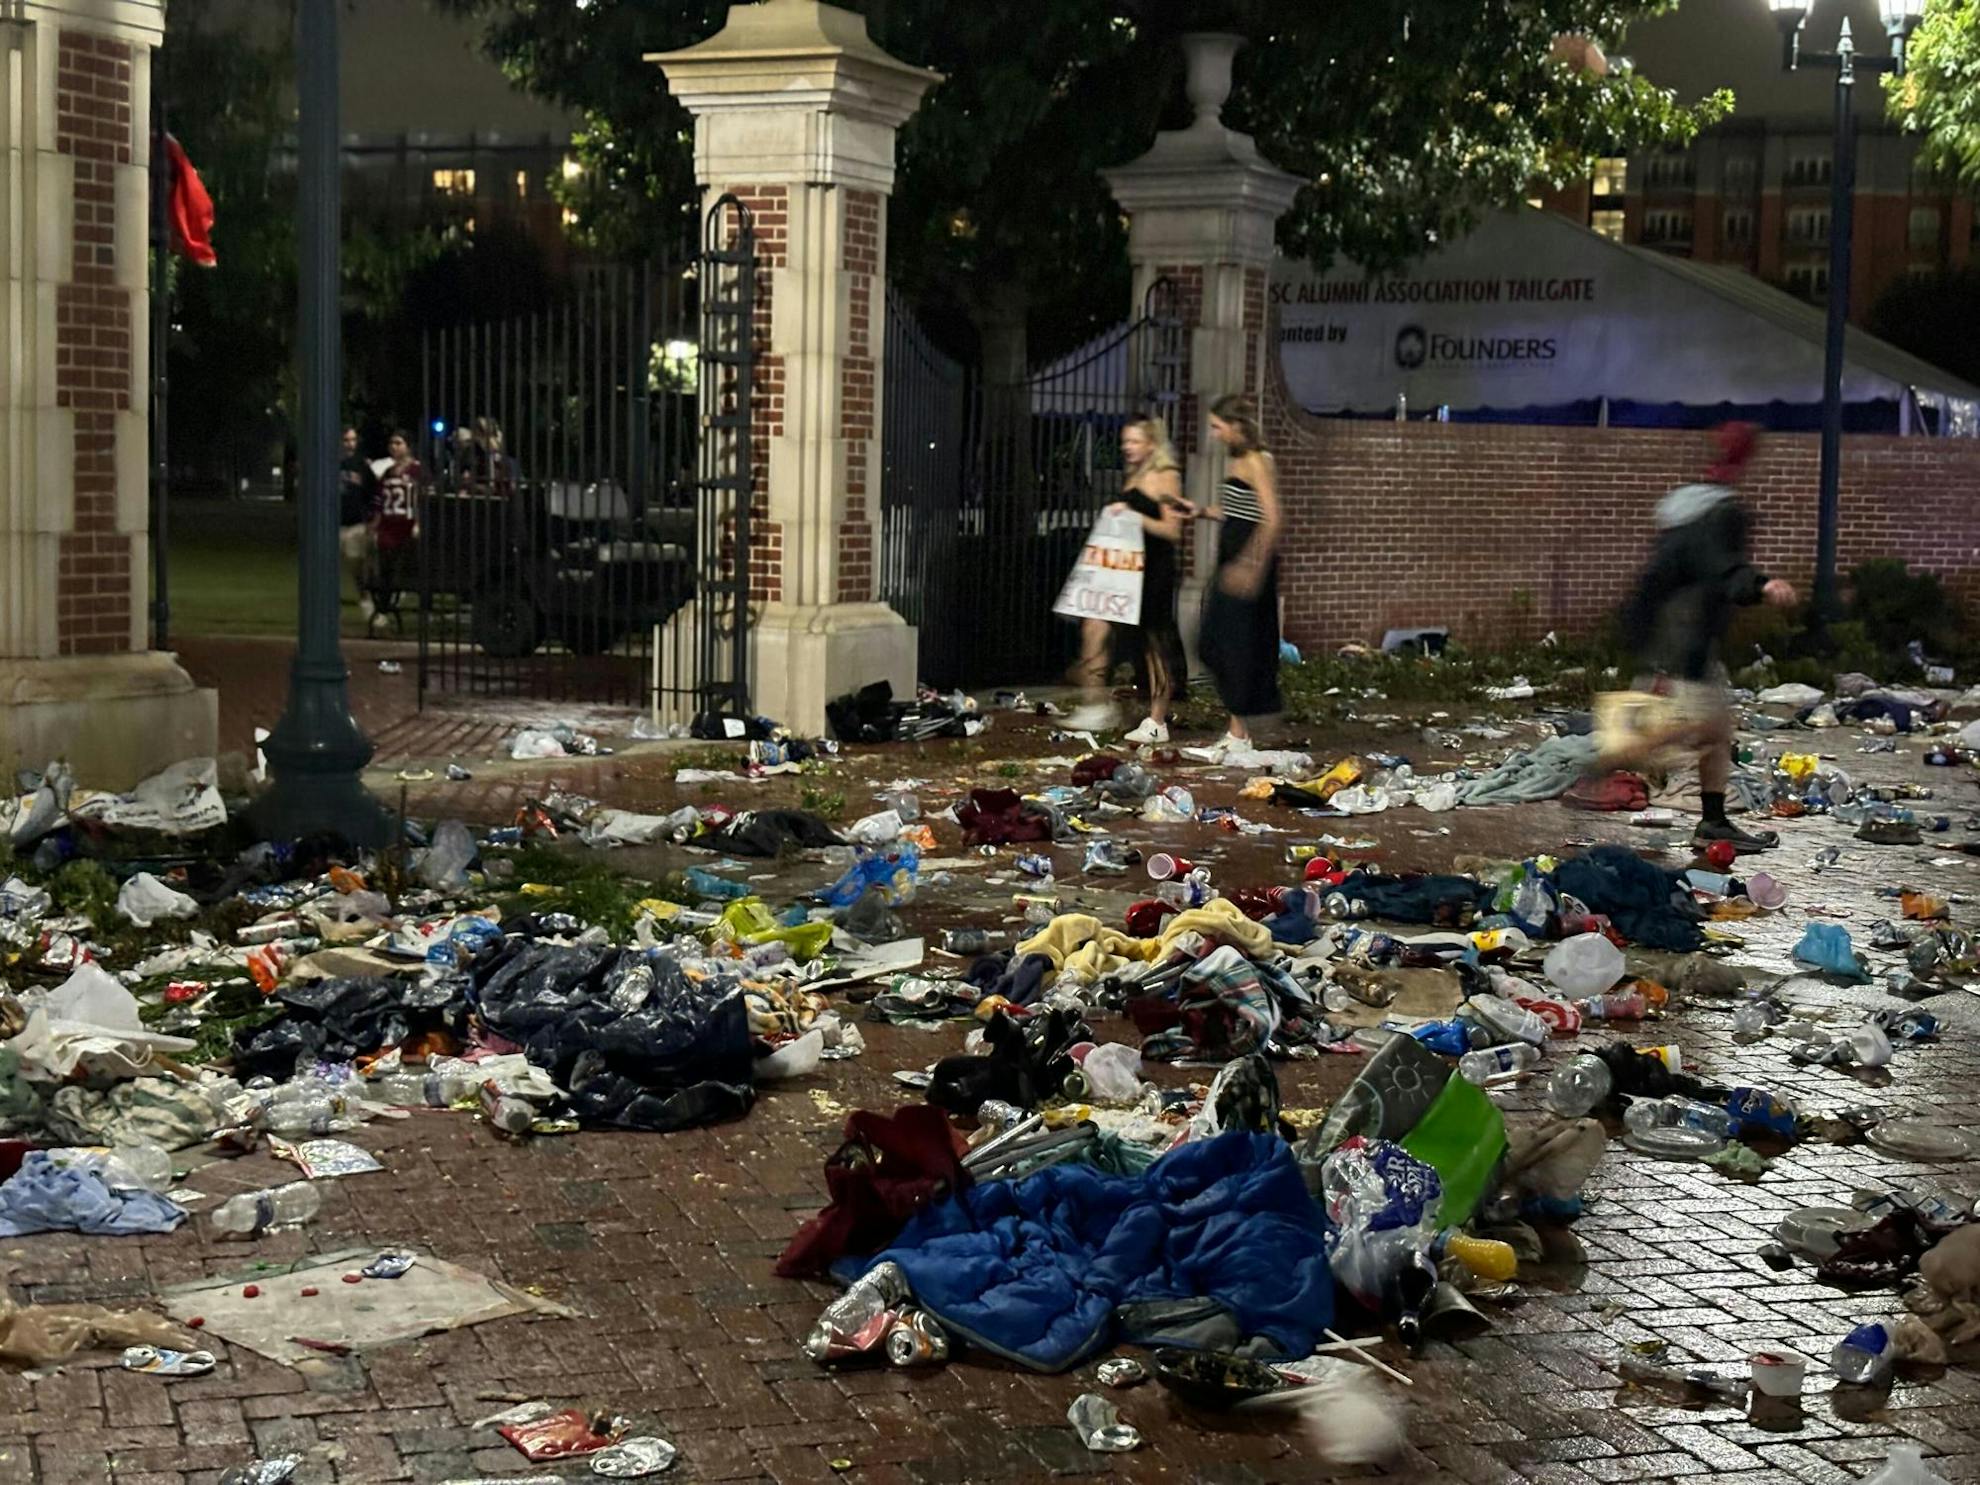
(1534, 311)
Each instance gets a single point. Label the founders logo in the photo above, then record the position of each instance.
(1412, 347)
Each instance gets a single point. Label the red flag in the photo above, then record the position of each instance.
(190, 209)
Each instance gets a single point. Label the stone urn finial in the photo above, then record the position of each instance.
(1207, 55)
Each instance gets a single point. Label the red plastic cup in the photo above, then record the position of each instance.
(1162, 867)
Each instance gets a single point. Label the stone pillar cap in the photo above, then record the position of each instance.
(138, 21)
(1208, 164)
(773, 55)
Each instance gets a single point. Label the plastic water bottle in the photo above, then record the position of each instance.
(1578, 1086)
(1661, 1113)
(505, 1112)
(1905, 1465)
(1863, 1356)
(435, 1090)
(253, 1212)
(1752, 1018)
(1617, 1005)
(1493, 1061)
(902, 803)
(315, 1114)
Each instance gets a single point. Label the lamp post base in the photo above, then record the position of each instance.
(316, 754)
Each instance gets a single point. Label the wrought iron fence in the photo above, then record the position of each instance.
(925, 424)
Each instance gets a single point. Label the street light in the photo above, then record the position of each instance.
(317, 751)
(1900, 19)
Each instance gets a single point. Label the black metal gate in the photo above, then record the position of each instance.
(1037, 462)
(579, 473)
(924, 431)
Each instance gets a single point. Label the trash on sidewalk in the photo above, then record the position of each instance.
(432, 1296)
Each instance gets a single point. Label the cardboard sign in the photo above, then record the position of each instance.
(1106, 581)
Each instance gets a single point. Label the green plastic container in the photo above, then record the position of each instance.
(1462, 1135)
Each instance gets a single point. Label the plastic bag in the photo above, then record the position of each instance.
(1113, 1073)
(1827, 947)
(880, 829)
(35, 1335)
(1437, 798)
(1360, 801)
(892, 872)
(1383, 1203)
(145, 900)
(795, 1059)
(444, 866)
(1584, 965)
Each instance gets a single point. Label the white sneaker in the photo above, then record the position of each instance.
(1150, 731)
(366, 608)
(1096, 716)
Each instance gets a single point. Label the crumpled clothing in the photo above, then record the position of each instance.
(766, 833)
(145, 1111)
(1443, 901)
(1080, 944)
(1610, 793)
(999, 817)
(1545, 771)
(890, 1166)
(775, 1012)
(1647, 903)
(1224, 1005)
(51, 1195)
(1026, 1063)
(1018, 978)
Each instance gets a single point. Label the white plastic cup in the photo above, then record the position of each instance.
(1778, 1373)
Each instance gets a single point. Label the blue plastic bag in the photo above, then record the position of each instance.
(892, 871)
(1826, 946)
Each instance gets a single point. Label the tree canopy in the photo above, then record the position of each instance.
(1405, 118)
(1939, 92)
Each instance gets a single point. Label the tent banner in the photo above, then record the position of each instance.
(1106, 581)
(1532, 310)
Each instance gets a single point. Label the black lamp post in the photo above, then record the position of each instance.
(1900, 19)
(317, 751)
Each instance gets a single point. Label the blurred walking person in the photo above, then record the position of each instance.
(1152, 489)
(1240, 640)
(1676, 622)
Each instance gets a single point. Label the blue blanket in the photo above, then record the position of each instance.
(1218, 1240)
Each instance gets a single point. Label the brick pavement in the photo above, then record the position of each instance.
(665, 1245)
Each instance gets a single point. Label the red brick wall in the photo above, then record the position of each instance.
(860, 250)
(769, 208)
(1503, 533)
(93, 348)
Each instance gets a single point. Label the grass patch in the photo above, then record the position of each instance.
(828, 804)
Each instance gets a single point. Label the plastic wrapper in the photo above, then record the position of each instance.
(263, 1471)
(562, 1435)
(634, 1459)
(1113, 1073)
(891, 872)
(1384, 1204)
(1099, 1426)
(445, 864)
(324, 1159)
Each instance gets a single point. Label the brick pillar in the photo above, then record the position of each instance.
(1204, 205)
(795, 114)
(75, 158)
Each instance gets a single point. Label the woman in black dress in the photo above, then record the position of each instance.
(1153, 491)
(1240, 640)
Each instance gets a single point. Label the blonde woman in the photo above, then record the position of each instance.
(1152, 489)
(1240, 640)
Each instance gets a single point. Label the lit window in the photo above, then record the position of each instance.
(454, 182)
(1607, 224)
(1923, 228)
(1611, 175)
(522, 185)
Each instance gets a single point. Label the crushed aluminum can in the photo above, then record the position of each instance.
(1098, 1424)
(855, 1325)
(394, 1263)
(1121, 1371)
(915, 1339)
(263, 1471)
(634, 1459)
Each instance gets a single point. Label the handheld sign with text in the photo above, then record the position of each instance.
(1106, 581)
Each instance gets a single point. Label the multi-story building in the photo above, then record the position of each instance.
(1754, 191)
